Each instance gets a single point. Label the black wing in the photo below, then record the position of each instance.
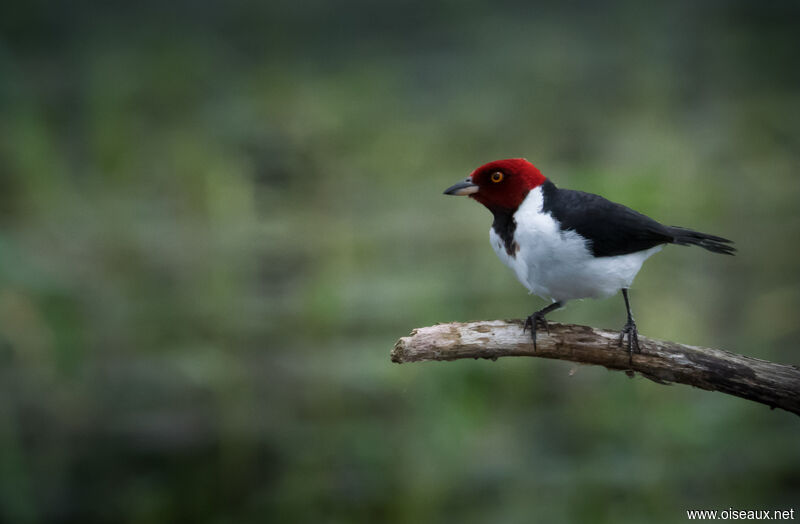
(612, 229)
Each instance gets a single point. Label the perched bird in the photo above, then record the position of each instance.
(564, 244)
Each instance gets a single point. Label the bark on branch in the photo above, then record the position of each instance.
(776, 385)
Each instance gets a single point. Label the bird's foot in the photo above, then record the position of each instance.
(533, 322)
(633, 337)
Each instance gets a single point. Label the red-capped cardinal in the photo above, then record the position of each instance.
(565, 244)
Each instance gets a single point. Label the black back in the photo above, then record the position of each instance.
(612, 229)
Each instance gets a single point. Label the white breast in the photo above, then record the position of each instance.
(558, 264)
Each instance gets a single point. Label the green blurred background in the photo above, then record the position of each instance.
(216, 219)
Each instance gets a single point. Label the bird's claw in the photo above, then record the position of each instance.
(633, 338)
(534, 321)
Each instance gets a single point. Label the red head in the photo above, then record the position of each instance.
(500, 185)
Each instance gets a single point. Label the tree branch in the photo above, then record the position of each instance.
(776, 385)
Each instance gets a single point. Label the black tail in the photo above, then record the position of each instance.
(687, 237)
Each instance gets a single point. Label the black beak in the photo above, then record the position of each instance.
(462, 188)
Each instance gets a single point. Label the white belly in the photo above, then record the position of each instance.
(558, 265)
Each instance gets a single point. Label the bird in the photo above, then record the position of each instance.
(564, 244)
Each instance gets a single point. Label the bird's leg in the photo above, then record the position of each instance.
(538, 320)
(630, 330)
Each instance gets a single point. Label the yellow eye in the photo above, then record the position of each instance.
(497, 176)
